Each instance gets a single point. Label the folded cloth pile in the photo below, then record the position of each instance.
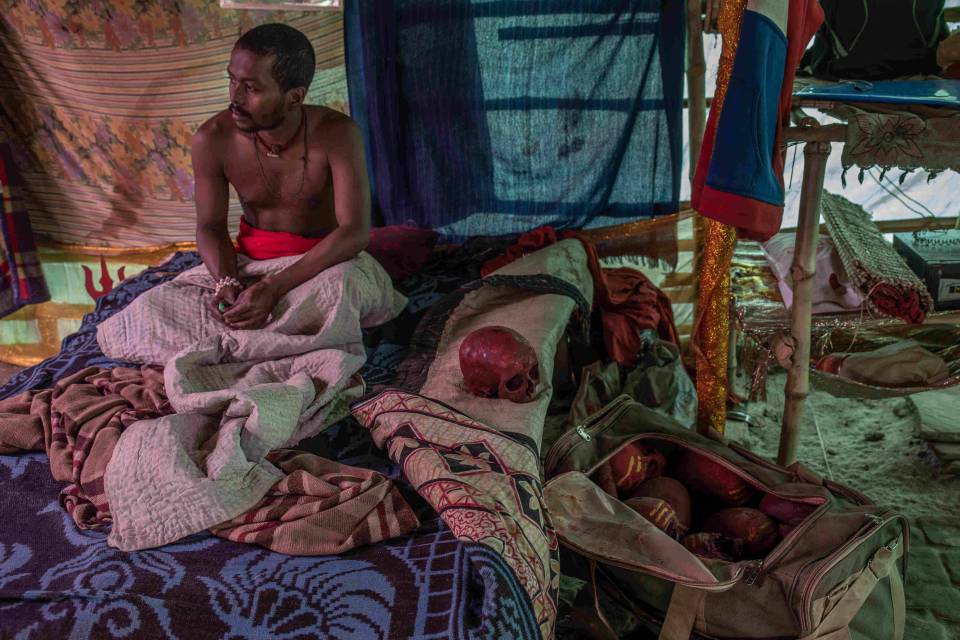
(902, 364)
(629, 303)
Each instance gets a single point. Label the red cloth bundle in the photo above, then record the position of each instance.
(629, 303)
(895, 303)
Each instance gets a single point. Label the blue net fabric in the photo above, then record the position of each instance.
(486, 117)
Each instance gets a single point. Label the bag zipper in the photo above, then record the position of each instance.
(847, 492)
(710, 587)
(583, 432)
(809, 585)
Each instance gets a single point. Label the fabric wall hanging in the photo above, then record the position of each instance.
(498, 116)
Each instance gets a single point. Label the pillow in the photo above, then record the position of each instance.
(402, 250)
(832, 289)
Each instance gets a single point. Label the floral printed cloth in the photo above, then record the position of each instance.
(101, 100)
(900, 139)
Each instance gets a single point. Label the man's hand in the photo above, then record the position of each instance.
(223, 301)
(252, 308)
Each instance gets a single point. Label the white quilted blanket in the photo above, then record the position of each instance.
(237, 394)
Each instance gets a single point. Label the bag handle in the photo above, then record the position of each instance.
(881, 565)
(682, 613)
(596, 601)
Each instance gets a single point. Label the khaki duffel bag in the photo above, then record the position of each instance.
(836, 573)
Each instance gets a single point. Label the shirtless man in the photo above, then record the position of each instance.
(297, 168)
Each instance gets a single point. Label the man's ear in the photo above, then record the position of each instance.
(295, 97)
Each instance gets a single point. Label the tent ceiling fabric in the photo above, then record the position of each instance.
(99, 101)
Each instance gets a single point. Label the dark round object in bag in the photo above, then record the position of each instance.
(783, 510)
(659, 513)
(757, 530)
(714, 545)
(673, 493)
(705, 476)
(633, 465)
(787, 527)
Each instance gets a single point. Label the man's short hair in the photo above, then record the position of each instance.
(295, 60)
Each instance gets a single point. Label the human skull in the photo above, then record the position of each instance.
(498, 362)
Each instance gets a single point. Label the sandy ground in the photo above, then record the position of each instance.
(868, 444)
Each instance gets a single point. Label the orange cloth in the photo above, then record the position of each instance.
(259, 244)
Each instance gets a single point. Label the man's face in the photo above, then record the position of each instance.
(256, 100)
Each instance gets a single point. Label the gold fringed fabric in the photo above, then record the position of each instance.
(711, 330)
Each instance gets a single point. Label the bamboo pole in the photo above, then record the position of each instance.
(732, 361)
(802, 271)
(696, 81)
(696, 112)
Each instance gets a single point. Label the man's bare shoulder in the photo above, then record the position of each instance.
(339, 131)
(215, 131)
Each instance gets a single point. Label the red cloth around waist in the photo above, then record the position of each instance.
(258, 244)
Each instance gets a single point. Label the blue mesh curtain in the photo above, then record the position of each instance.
(496, 116)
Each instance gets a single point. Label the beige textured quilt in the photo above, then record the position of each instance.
(238, 394)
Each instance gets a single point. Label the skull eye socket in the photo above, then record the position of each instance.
(535, 373)
(514, 383)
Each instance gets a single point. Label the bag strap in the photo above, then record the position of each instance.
(596, 600)
(882, 564)
(899, 602)
(682, 612)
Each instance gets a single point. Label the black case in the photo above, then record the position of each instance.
(935, 257)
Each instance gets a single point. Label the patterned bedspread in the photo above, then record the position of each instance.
(56, 581)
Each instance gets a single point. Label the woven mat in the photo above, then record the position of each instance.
(871, 261)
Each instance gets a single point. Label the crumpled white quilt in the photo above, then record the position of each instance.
(237, 394)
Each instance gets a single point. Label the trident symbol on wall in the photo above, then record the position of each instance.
(106, 282)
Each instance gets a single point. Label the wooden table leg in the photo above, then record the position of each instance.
(815, 156)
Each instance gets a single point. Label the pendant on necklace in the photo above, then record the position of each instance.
(274, 152)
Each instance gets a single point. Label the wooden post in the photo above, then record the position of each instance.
(732, 361)
(696, 81)
(696, 114)
(815, 154)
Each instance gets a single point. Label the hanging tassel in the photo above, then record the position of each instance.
(860, 176)
(932, 176)
(883, 172)
(903, 176)
(843, 177)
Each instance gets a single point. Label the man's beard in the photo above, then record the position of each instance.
(274, 121)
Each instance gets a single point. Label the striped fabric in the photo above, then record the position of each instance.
(21, 280)
(100, 101)
(678, 281)
(322, 507)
